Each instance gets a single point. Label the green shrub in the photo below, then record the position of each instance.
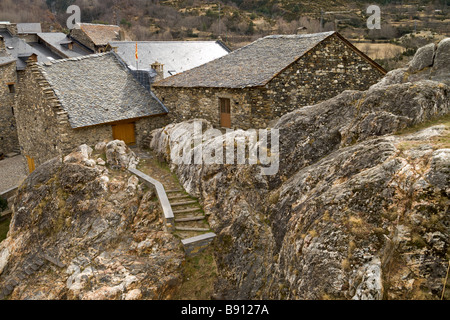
(3, 204)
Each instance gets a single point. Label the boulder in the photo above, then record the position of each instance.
(75, 218)
(423, 58)
(441, 66)
(356, 210)
(120, 156)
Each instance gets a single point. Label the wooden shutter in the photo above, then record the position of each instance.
(225, 112)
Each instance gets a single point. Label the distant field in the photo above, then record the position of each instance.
(380, 50)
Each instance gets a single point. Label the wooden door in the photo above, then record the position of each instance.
(225, 113)
(31, 165)
(125, 132)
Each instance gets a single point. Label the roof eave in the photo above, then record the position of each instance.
(116, 121)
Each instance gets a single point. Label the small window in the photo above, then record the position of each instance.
(12, 110)
(12, 88)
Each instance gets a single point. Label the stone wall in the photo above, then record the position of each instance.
(328, 69)
(29, 37)
(189, 103)
(37, 117)
(144, 126)
(103, 132)
(322, 73)
(12, 28)
(8, 132)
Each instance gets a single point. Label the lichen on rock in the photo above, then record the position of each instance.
(77, 232)
(357, 210)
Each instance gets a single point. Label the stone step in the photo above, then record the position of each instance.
(35, 267)
(187, 219)
(39, 261)
(182, 203)
(54, 261)
(28, 271)
(186, 211)
(191, 229)
(173, 191)
(184, 196)
(21, 276)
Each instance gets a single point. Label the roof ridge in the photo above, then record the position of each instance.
(165, 41)
(98, 24)
(298, 36)
(89, 56)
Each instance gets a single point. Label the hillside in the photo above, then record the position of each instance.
(238, 21)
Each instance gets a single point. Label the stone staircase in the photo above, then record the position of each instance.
(30, 267)
(183, 213)
(190, 221)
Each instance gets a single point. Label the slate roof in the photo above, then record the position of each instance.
(253, 65)
(59, 41)
(97, 89)
(21, 50)
(176, 56)
(24, 28)
(5, 58)
(100, 34)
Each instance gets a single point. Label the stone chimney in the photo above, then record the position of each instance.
(159, 68)
(32, 58)
(12, 29)
(2, 44)
(121, 35)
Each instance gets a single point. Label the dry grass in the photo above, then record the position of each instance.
(200, 273)
(380, 50)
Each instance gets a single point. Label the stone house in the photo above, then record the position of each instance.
(268, 78)
(96, 37)
(8, 81)
(18, 42)
(81, 100)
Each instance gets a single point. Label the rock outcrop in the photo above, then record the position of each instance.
(429, 63)
(356, 210)
(81, 230)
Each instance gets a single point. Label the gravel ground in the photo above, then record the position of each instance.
(12, 172)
